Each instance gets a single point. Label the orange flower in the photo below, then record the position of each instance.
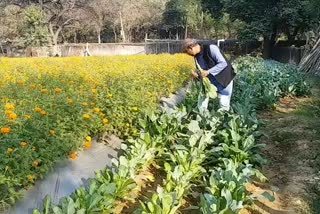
(9, 150)
(58, 90)
(27, 116)
(73, 156)
(69, 100)
(94, 91)
(5, 130)
(88, 138)
(84, 104)
(105, 121)
(44, 90)
(87, 144)
(35, 163)
(86, 116)
(96, 110)
(23, 144)
(52, 132)
(9, 106)
(12, 116)
(30, 177)
(43, 112)
(37, 109)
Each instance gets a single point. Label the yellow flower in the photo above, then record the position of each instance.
(52, 132)
(35, 163)
(58, 90)
(9, 150)
(135, 108)
(127, 124)
(32, 85)
(9, 106)
(43, 112)
(8, 112)
(102, 114)
(27, 116)
(23, 144)
(94, 91)
(37, 109)
(92, 104)
(96, 110)
(44, 90)
(12, 116)
(30, 177)
(105, 121)
(110, 95)
(84, 104)
(87, 144)
(88, 138)
(86, 116)
(69, 100)
(73, 156)
(5, 130)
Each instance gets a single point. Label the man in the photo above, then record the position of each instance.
(211, 62)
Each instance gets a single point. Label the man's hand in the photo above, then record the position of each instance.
(204, 73)
(194, 74)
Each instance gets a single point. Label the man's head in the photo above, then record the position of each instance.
(191, 47)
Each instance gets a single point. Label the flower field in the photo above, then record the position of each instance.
(51, 107)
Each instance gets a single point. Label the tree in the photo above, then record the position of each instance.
(270, 18)
(36, 31)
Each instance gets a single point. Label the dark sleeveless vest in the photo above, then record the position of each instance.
(226, 75)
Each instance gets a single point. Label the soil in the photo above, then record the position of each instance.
(292, 138)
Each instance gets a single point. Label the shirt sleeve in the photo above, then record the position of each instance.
(221, 61)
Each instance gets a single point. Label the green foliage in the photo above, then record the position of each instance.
(35, 28)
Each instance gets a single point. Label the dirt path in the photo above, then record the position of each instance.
(292, 138)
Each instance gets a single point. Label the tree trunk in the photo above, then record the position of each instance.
(123, 35)
(115, 34)
(186, 32)
(99, 36)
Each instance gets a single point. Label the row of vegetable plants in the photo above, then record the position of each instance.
(211, 153)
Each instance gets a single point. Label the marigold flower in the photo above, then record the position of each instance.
(69, 100)
(9, 106)
(44, 90)
(88, 138)
(35, 163)
(32, 85)
(8, 112)
(127, 124)
(86, 116)
(135, 108)
(73, 156)
(94, 91)
(9, 150)
(52, 132)
(96, 110)
(43, 112)
(30, 177)
(105, 121)
(23, 144)
(92, 104)
(58, 90)
(37, 109)
(12, 116)
(110, 95)
(84, 104)
(5, 130)
(87, 144)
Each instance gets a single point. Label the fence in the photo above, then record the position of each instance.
(292, 55)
